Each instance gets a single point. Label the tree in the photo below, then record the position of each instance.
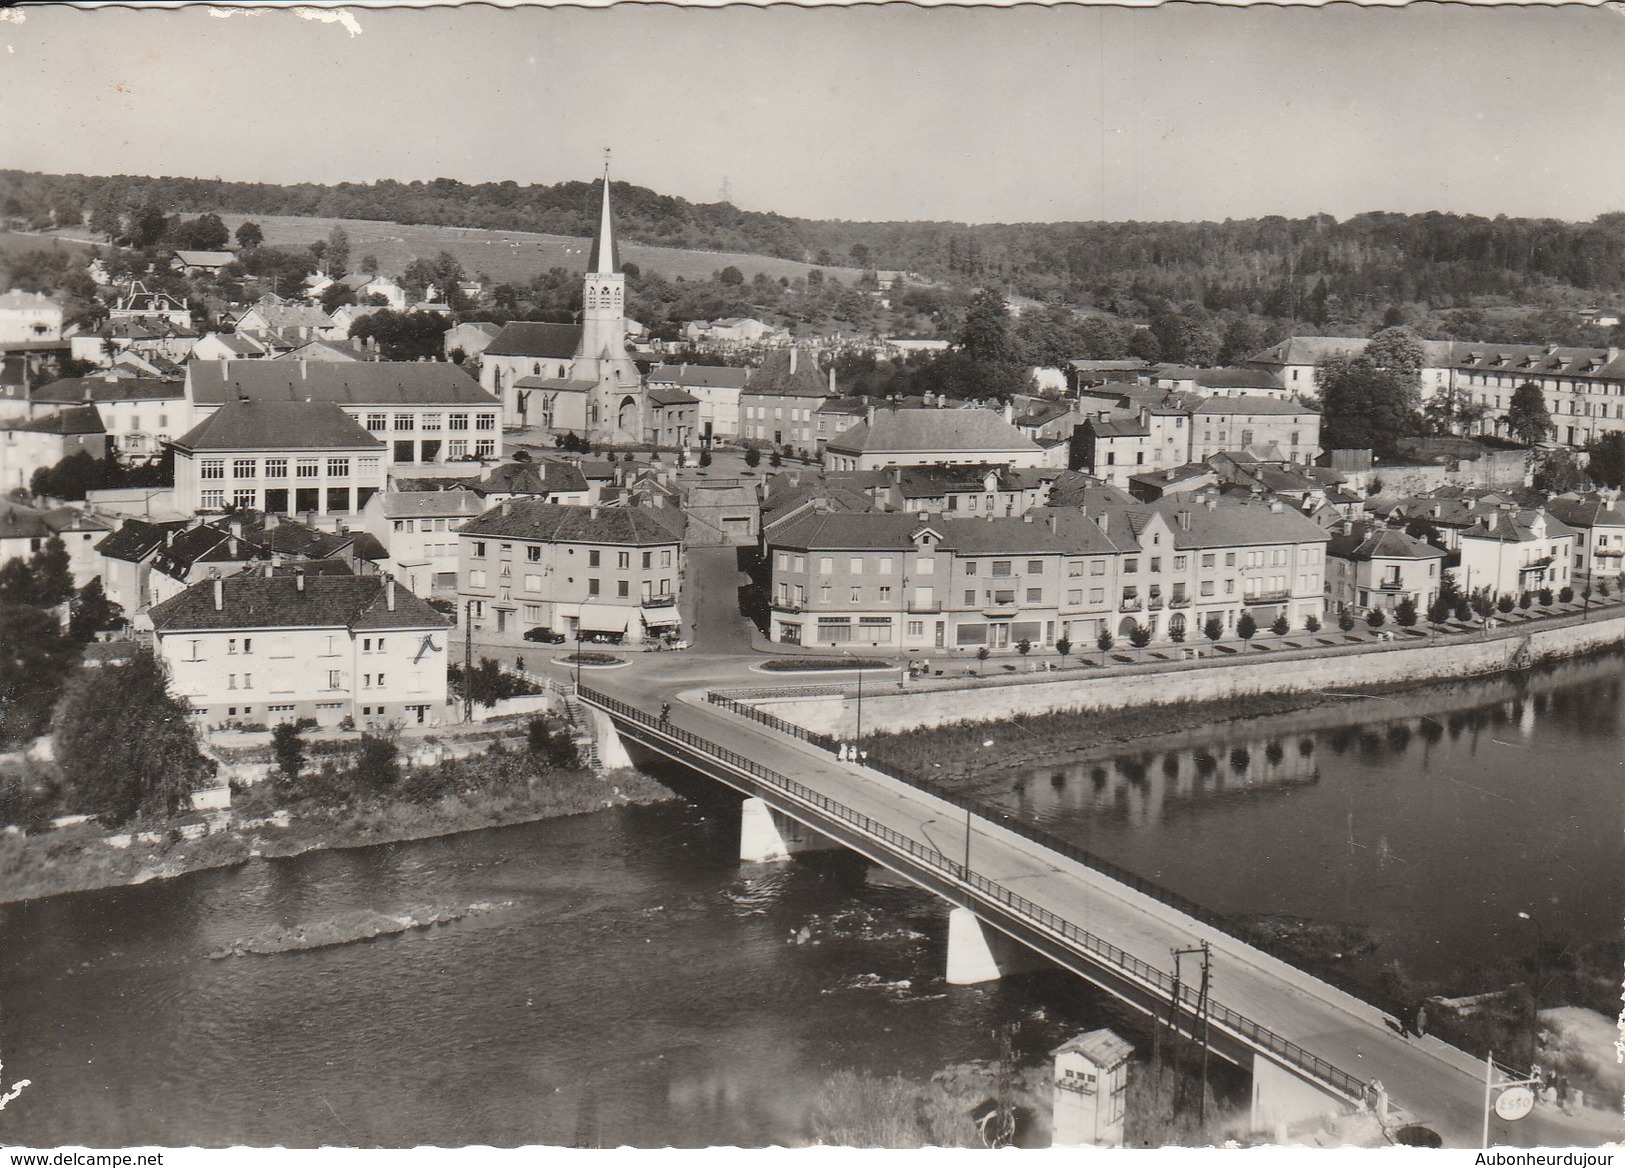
(1282, 626)
(125, 746)
(1376, 618)
(1370, 401)
(369, 265)
(377, 764)
(1607, 464)
(147, 226)
(249, 235)
(1213, 628)
(1063, 647)
(1527, 416)
(1176, 631)
(1311, 623)
(1405, 613)
(403, 336)
(775, 459)
(1246, 627)
(53, 575)
(338, 252)
(989, 361)
(105, 221)
(1105, 641)
(1345, 621)
(92, 613)
(981, 658)
(1024, 646)
(731, 276)
(1140, 635)
(753, 457)
(289, 750)
(205, 233)
(1439, 611)
(34, 659)
(705, 457)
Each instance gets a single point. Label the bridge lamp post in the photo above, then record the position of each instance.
(579, 643)
(1534, 994)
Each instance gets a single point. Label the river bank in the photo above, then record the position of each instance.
(81, 858)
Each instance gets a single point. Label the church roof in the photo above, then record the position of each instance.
(528, 338)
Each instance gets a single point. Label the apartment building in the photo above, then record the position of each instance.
(420, 530)
(267, 647)
(1512, 551)
(613, 573)
(1599, 535)
(1246, 422)
(1370, 565)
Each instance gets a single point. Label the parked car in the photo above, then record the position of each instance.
(546, 635)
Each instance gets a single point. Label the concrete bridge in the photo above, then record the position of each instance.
(1312, 1049)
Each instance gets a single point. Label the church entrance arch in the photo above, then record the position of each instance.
(627, 418)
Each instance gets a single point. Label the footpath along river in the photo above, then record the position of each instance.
(631, 983)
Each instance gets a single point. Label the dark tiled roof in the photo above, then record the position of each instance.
(71, 420)
(342, 382)
(774, 378)
(1248, 404)
(548, 476)
(71, 390)
(412, 504)
(204, 543)
(1371, 541)
(253, 601)
(524, 338)
(967, 431)
(136, 539)
(661, 396)
(1588, 512)
(277, 425)
(20, 522)
(712, 376)
(558, 523)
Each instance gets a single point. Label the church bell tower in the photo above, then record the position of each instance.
(617, 408)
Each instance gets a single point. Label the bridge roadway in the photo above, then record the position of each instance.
(1436, 1084)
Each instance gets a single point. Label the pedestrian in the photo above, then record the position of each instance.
(1421, 1019)
(665, 713)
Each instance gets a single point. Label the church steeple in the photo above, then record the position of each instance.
(605, 258)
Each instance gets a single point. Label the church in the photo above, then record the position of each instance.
(575, 378)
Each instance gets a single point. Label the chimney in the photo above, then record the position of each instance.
(832, 381)
(792, 361)
(1104, 522)
(1054, 523)
(592, 512)
(1010, 411)
(1184, 518)
(304, 369)
(1348, 526)
(507, 506)
(270, 568)
(389, 593)
(299, 580)
(169, 537)
(219, 592)
(236, 527)
(1275, 506)
(1026, 516)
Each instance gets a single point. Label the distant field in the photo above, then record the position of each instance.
(511, 256)
(15, 242)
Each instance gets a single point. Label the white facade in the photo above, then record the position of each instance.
(29, 316)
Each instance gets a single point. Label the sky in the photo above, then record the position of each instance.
(893, 111)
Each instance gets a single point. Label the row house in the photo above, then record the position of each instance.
(609, 572)
(1254, 423)
(941, 437)
(1447, 512)
(1294, 362)
(420, 530)
(780, 403)
(28, 445)
(140, 414)
(425, 413)
(1114, 448)
(271, 646)
(935, 582)
(1512, 551)
(149, 339)
(306, 458)
(1599, 535)
(962, 490)
(1370, 565)
(715, 387)
(1583, 388)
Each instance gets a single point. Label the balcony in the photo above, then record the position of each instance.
(925, 606)
(1179, 602)
(664, 600)
(1130, 604)
(1391, 586)
(787, 606)
(1154, 603)
(1273, 596)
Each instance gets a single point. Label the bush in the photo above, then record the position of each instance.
(1505, 604)
(1464, 609)
(1545, 594)
(289, 750)
(1376, 618)
(377, 764)
(1345, 621)
(1439, 611)
(1105, 641)
(1311, 623)
(1525, 599)
(1282, 626)
(705, 458)
(753, 457)
(1246, 627)
(1405, 614)
(1565, 595)
(1176, 632)
(1140, 635)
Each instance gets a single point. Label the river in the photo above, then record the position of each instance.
(636, 985)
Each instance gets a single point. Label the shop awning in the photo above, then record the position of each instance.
(604, 618)
(661, 617)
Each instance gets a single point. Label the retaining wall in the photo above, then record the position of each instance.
(1169, 685)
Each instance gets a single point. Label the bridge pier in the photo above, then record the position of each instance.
(1282, 1099)
(611, 750)
(977, 953)
(765, 835)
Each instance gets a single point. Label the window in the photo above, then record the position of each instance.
(245, 497)
(1097, 596)
(622, 588)
(212, 468)
(212, 500)
(457, 422)
(1004, 596)
(308, 468)
(970, 567)
(1230, 559)
(648, 560)
(1156, 563)
(369, 467)
(405, 422)
(1131, 565)
(1035, 596)
(1074, 596)
(1001, 568)
(592, 586)
(456, 449)
(484, 448)
(476, 579)
(856, 566)
(1207, 587)
(826, 565)
(377, 423)
(857, 594)
(485, 421)
(244, 468)
(333, 680)
(1035, 567)
(970, 597)
(885, 593)
(594, 556)
(665, 560)
(431, 421)
(276, 468)
(1179, 563)
(623, 560)
(916, 628)
(1097, 567)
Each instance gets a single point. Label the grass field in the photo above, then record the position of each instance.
(16, 242)
(510, 256)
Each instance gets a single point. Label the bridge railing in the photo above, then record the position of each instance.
(1143, 972)
(772, 721)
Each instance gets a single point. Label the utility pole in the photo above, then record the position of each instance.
(1206, 951)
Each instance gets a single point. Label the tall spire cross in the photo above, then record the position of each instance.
(605, 257)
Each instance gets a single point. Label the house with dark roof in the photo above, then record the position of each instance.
(1370, 565)
(138, 303)
(471, 338)
(419, 528)
(924, 437)
(140, 414)
(428, 412)
(1246, 420)
(296, 457)
(25, 530)
(779, 405)
(228, 347)
(206, 263)
(673, 417)
(607, 572)
(270, 646)
(125, 557)
(715, 387)
(1599, 535)
(31, 444)
(1512, 550)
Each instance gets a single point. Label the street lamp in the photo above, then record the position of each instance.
(579, 632)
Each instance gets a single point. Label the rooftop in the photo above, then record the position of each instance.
(524, 338)
(251, 600)
(277, 425)
(970, 431)
(533, 519)
(342, 382)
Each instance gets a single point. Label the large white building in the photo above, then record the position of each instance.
(426, 412)
(420, 530)
(305, 458)
(265, 648)
(27, 317)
